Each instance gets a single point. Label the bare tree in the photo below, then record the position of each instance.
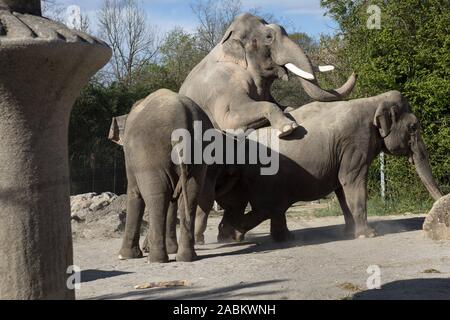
(214, 17)
(134, 43)
(53, 10)
(85, 24)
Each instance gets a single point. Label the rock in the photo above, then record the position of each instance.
(81, 205)
(437, 223)
(80, 215)
(115, 207)
(101, 201)
(81, 202)
(104, 217)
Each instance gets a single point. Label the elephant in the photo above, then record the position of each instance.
(156, 180)
(332, 153)
(232, 83)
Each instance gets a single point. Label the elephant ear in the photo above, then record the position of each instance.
(233, 49)
(385, 116)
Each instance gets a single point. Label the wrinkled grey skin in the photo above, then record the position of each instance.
(232, 83)
(154, 180)
(331, 153)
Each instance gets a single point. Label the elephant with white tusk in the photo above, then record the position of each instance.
(232, 83)
(332, 153)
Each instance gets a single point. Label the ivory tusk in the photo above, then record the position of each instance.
(299, 72)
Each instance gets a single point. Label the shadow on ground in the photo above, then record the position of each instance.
(236, 291)
(318, 235)
(93, 274)
(412, 289)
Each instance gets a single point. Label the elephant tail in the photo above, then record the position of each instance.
(180, 191)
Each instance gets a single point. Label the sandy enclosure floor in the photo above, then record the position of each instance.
(318, 264)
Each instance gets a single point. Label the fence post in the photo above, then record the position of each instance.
(115, 169)
(382, 177)
(93, 171)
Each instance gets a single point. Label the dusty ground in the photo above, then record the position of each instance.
(319, 264)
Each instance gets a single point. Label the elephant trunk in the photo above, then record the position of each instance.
(423, 168)
(295, 60)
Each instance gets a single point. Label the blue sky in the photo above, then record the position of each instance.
(305, 15)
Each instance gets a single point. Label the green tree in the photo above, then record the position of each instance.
(179, 55)
(410, 53)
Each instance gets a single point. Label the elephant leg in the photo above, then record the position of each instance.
(158, 205)
(238, 116)
(349, 221)
(135, 212)
(171, 228)
(205, 204)
(252, 219)
(145, 245)
(355, 200)
(156, 193)
(232, 226)
(279, 230)
(227, 232)
(201, 222)
(188, 208)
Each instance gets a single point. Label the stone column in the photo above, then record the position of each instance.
(43, 67)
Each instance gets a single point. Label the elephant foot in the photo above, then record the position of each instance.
(226, 233)
(367, 232)
(130, 253)
(145, 246)
(200, 239)
(238, 236)
(171, 247)
(287, 128)
(158, 256)
(234, 236)
(187, 255)
(224, 238)
(283, 236)
(349, 232)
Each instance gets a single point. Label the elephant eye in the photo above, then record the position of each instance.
(269, 38)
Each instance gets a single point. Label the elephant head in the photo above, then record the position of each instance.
(400, 130)
(267, 51)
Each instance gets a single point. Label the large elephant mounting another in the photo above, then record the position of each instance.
(232, 83)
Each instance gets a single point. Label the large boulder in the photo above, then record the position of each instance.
(437, 223)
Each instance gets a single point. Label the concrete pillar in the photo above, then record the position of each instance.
(43, 67)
